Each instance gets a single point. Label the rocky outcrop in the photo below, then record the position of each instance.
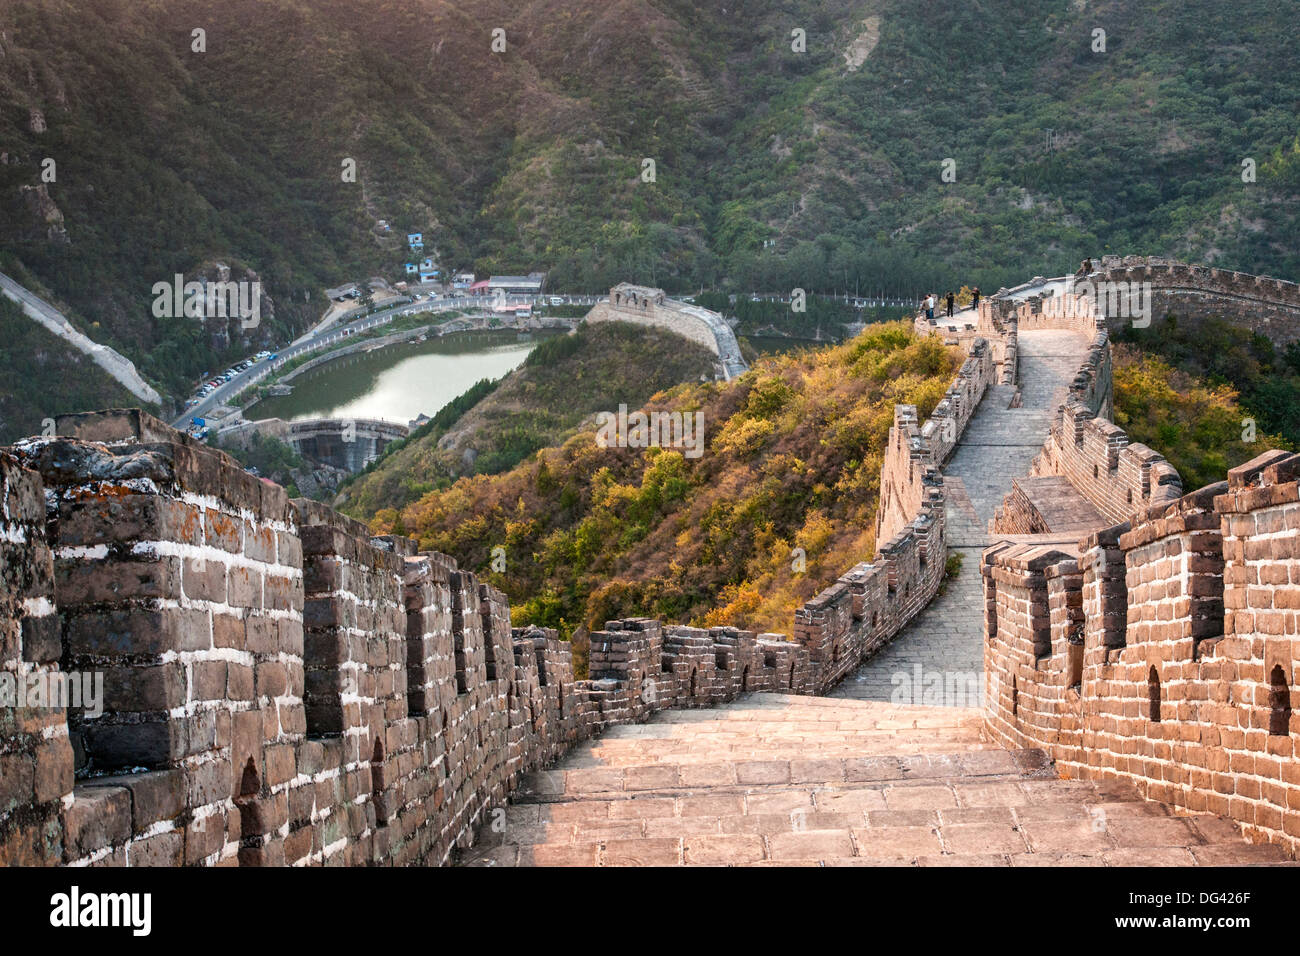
(44, 219)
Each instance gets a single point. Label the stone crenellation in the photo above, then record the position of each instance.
(1260, 303)
(1110, 474)
(282, 688)
(279, 687)
(1161, 651)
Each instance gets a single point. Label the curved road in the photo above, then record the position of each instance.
(320, 338)
(246, 379)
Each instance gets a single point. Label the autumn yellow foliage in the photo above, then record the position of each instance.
(782, 500)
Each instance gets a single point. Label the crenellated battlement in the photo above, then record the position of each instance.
(868, 606)
(1104, 470)
(278, 686)
(1162, 651)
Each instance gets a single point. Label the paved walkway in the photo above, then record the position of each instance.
(778, 780)
(999, 444)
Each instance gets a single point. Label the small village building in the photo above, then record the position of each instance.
(343, 292)
(530, 284)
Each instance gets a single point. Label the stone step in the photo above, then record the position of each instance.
(783, 780)
(1003, 821)
(640, 775)
(772, 727)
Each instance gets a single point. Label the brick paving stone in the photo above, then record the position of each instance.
(977, 838)
(737, 850)
(782, 801)
(765, 771)
(1066, 836)
(913, 785)
(656, 852)
(919, 798)
(897, 843)
(841, 801)
(811, 844)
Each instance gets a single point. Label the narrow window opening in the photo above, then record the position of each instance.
(251, 837)
(377, 788)
(1279, 702)
(1153, 696)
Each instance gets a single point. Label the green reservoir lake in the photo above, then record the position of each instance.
(400, 382)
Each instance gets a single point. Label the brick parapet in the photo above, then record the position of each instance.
(36, 759)
(1262, 304)
(1083, 445)
(863, 610)
(1191, 629)
(281, 688)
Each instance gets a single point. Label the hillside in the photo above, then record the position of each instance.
(42, 376)
(1208, 396)
(791, 461)
(774, 168)
(491, 429)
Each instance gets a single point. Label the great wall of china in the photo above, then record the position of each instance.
(282, 688)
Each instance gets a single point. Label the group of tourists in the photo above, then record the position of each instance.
(931, 301)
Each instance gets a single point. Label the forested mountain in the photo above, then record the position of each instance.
(781, 159)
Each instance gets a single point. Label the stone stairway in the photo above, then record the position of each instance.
(780, 780)
(999, 444)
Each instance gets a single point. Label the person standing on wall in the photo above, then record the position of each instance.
(929, 306)
(951, 298)
(975, 298)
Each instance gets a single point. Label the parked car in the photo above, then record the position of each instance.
(557, 300)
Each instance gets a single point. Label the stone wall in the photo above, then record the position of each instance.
(278, 686)
(1162, 651)
(1262, 304)
(849, 621)
(1115, 476)
(35, 751)
(652, 307)
(915, 453)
